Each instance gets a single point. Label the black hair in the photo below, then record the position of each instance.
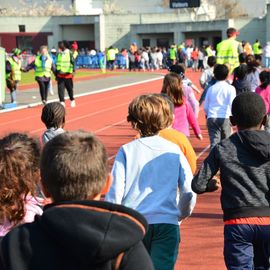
(178, 69)
(248, 110)
(221, 72)
(242, 57)
(211, 61)
(241, 72)
(53, 115)
(265, 79)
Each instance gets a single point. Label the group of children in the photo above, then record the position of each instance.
(151, 189)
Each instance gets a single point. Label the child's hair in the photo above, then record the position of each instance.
(172, 86)
(53, 115)
(19, 175)
(211, 61)
(252, 63)
(221, 72)
(178, 69)
(265, 79)
(241, 72)
(149, 114)
(248, 110)
(74, 166)
(242, 57)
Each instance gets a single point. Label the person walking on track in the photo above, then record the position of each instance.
(228, 50)
(43, 65)
(64, 72)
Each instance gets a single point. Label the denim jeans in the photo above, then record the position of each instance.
(218, 129)
(247, 247)
(267, 62)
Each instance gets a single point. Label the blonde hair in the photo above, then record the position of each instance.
(149, 114)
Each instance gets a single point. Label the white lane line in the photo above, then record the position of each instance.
(203, 151)
(31, 105)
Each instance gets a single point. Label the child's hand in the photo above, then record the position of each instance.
(213, 185)
(200, 137)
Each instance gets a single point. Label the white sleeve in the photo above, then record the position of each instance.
(116, 193)
(187, 198)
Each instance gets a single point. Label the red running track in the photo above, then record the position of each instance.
(105, 115)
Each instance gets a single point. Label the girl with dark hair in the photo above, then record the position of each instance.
(19, 176)
(264, 91)
(253, 72)
(184, 115)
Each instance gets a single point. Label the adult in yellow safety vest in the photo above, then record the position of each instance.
(111, 56)
(229, 49)
(43, 66)
(173, 55)
(13, 73)
(64, 72)
(258, 50)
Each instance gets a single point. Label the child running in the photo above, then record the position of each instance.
(77, 231)
(244, 164)
(146, 175)
(19, 178)
(53, 116)
(217, 106)
(184, 116)
(264, 91)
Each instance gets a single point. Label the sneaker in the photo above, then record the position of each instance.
(72, 103)
(63, 103)
(44, 102)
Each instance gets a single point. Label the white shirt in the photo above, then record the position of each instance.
(218, 100)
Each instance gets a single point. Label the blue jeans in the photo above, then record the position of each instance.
(267, 62)
(247, 247)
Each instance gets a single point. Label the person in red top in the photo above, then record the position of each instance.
(195, 59)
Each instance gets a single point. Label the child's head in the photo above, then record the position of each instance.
(248, 111)
(149, 114)
(252, 63)
(242, 58)
(211, 61)
(241, 72)
(53, 115)
(172, 86)
(265, 79)
(178, 69)
(221, 72)
(74, 167)
(19, 174)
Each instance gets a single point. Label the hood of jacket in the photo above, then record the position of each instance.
(51, 133)
(92, 232)
(257, 142)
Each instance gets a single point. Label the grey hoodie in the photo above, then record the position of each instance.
(51, 133)
(244, 164)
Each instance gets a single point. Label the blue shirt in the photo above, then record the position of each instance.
(146, 176)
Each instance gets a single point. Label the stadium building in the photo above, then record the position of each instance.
(100, 24)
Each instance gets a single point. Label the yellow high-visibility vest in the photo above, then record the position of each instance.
(16, 69)
(63, 62)
(39, 71)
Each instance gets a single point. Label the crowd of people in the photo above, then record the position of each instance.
(79, 216)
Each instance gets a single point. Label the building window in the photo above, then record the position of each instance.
(24, 43)
(21, 28)
(146, 42)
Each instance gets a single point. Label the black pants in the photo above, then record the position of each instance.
(43, 89)
(62, 84)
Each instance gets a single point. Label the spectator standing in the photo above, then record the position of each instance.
(43, 66)
(200, 60)
(194, 58)
(247, 48)
(173, 54)
(13, 73)
(253, 72)
(64, 73)
(228, 50)
(257, 49)
(111, 56)
(217, 106)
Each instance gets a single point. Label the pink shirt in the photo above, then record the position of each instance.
(189, 94)
(32, 208)
(184, 117)
(265, 94)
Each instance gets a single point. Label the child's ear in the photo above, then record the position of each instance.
(264, 121)
(232, 120)
(107, 184)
